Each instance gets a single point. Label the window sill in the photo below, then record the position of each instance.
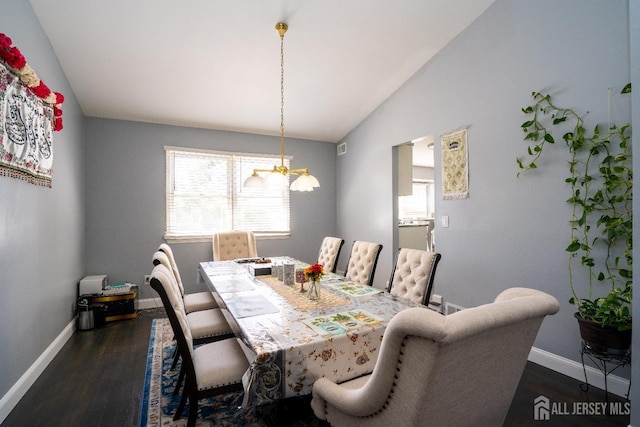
(207, 239)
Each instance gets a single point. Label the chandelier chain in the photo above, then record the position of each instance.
(278, 176)
(282, 99)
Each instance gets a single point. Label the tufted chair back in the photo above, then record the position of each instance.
(230, 245)
(412, 275)
(329, 253)
(363, 259)
(462, 369)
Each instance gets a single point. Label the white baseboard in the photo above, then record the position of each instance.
(20, 388)
(147, 303)
(615, 384)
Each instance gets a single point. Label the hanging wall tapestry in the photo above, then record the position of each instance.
(455, 166)
(29, 114)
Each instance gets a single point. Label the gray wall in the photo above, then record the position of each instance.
(125, 183)
(510, 231)
(41, 229)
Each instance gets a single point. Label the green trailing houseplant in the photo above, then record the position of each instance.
(600, 178)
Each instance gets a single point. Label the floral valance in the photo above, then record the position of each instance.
(29, 114)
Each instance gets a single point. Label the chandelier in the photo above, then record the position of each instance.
(278, 176)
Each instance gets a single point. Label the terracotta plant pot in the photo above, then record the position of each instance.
(604, 340)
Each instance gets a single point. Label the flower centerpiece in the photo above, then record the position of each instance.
(314, 273)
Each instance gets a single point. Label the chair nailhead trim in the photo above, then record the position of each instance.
(392, 391)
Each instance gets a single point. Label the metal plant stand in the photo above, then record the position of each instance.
(607, 362)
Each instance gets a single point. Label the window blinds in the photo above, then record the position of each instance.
(204, 194)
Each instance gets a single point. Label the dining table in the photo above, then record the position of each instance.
(292, 340)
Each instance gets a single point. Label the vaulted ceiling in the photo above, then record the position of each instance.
(216, 64)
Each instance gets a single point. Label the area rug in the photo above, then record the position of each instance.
(159, 403)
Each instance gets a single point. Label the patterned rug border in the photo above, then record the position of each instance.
(144, 409)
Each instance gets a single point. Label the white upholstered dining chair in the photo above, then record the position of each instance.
(412, 274)
(361, 266)
(462, 369)
(210, 369)
(195, 301)
(205, 326)
(229, 245)
(329, 253)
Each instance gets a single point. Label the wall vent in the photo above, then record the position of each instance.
(342, 149)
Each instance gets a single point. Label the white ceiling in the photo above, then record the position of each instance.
(216, 64)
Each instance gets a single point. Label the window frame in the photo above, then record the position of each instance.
(234, 192)
(429, 186)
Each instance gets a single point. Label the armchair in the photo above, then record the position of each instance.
(462, 369)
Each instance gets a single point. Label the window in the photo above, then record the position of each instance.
(420, 204)
(205, 195)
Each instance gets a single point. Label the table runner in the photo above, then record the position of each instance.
(299, 299)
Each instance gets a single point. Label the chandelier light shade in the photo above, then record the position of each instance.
(305, 182)
(254, 181)
(278, 176)
(275, 180)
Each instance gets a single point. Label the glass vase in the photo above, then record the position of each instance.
(314, 290)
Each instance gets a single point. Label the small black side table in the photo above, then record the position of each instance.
(118, 306)
(601, 359)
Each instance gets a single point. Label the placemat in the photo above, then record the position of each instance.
(250, 305)
(299, 299)
(340, 323)
(355, 289)
(235, 283)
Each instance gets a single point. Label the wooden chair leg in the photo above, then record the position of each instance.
(193, 410)
(180, 407)
(179, 382)
(176, 357)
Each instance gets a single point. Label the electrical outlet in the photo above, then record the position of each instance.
(452, 308)
(147, 279)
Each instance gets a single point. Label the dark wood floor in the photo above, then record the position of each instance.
(97, 380)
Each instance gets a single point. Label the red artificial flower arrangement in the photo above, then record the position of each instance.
(314, 272)
(16, 62)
